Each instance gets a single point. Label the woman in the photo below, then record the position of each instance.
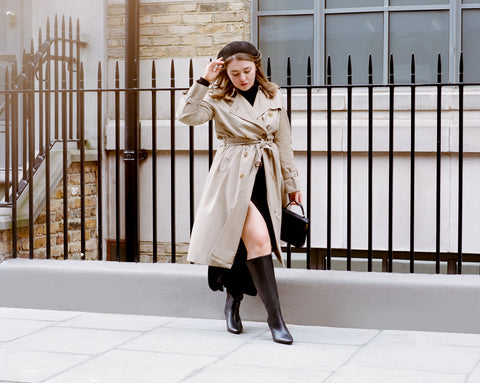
(239, 216)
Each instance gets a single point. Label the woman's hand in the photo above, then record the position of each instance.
(213, 69)
(295, 197)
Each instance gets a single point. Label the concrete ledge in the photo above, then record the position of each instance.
(449, 303)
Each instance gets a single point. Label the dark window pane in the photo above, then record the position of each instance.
(425, 34)
(353, 4)
(419, 2)
(284, 5)
(471, 45)
(283, 36)
(358, 35)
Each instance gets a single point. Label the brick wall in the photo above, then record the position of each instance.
(181, 28)
(56, 221)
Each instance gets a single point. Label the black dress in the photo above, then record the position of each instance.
(237, 279)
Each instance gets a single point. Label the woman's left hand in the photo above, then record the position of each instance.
(295, 197)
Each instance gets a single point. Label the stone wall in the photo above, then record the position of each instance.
(180, 28)
(56, 221)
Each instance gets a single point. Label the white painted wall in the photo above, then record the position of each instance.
(92, 17)
(91, 14)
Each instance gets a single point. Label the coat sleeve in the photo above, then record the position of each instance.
(193, 109)
(283, 139)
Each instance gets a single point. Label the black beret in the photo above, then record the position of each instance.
(237, 47)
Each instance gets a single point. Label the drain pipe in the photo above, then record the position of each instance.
(132, 130)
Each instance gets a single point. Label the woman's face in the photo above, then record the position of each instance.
(242, 73)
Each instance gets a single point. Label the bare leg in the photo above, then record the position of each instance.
(255, 234)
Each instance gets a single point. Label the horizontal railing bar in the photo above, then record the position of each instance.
(169, 89)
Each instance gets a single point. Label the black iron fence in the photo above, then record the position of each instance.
(53, 113)
(43, 108)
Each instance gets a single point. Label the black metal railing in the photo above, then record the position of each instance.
(35, 124)
(322, 257)
(390, 254)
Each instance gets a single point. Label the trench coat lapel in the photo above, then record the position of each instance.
(242, 108)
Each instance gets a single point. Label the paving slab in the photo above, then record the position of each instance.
(124, 366)
(76, 347)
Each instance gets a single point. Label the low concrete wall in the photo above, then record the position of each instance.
(328, 298)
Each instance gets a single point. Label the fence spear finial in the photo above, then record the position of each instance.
(391, 78)
(412, 69)
(81, 76)
(154, 75)
(370, 70)
(48, 29)
(190, 73)
(269, 69)
(439, 68)
(99, 74)
(117, 75)
(460, 73)
(7, 81)
(329, 71)
(349, 70)
(309, 71)
(289, 71)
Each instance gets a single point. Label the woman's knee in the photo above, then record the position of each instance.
(258, 245)
(255, 233)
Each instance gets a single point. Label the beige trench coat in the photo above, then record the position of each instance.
(249, 135)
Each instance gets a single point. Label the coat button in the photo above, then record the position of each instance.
(274, 178)
(241, 175)
(246, 154)
(270, 114)
(258, 164)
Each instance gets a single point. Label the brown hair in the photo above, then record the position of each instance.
(224, 88)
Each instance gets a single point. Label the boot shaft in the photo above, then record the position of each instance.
(263, 275)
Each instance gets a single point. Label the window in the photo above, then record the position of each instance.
(471, 44)
(380, 28)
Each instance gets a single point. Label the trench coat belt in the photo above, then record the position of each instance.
(260, 144)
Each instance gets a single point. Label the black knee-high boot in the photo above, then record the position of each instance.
(263, 275)
(232, 312)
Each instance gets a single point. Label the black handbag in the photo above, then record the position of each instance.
(294, 226)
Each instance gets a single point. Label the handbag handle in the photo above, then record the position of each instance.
(299, 204)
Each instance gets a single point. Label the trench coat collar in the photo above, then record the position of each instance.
(243, 109)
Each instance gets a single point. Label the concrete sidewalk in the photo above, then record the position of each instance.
(65, 346)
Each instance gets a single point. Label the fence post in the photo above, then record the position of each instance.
(131, 131)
